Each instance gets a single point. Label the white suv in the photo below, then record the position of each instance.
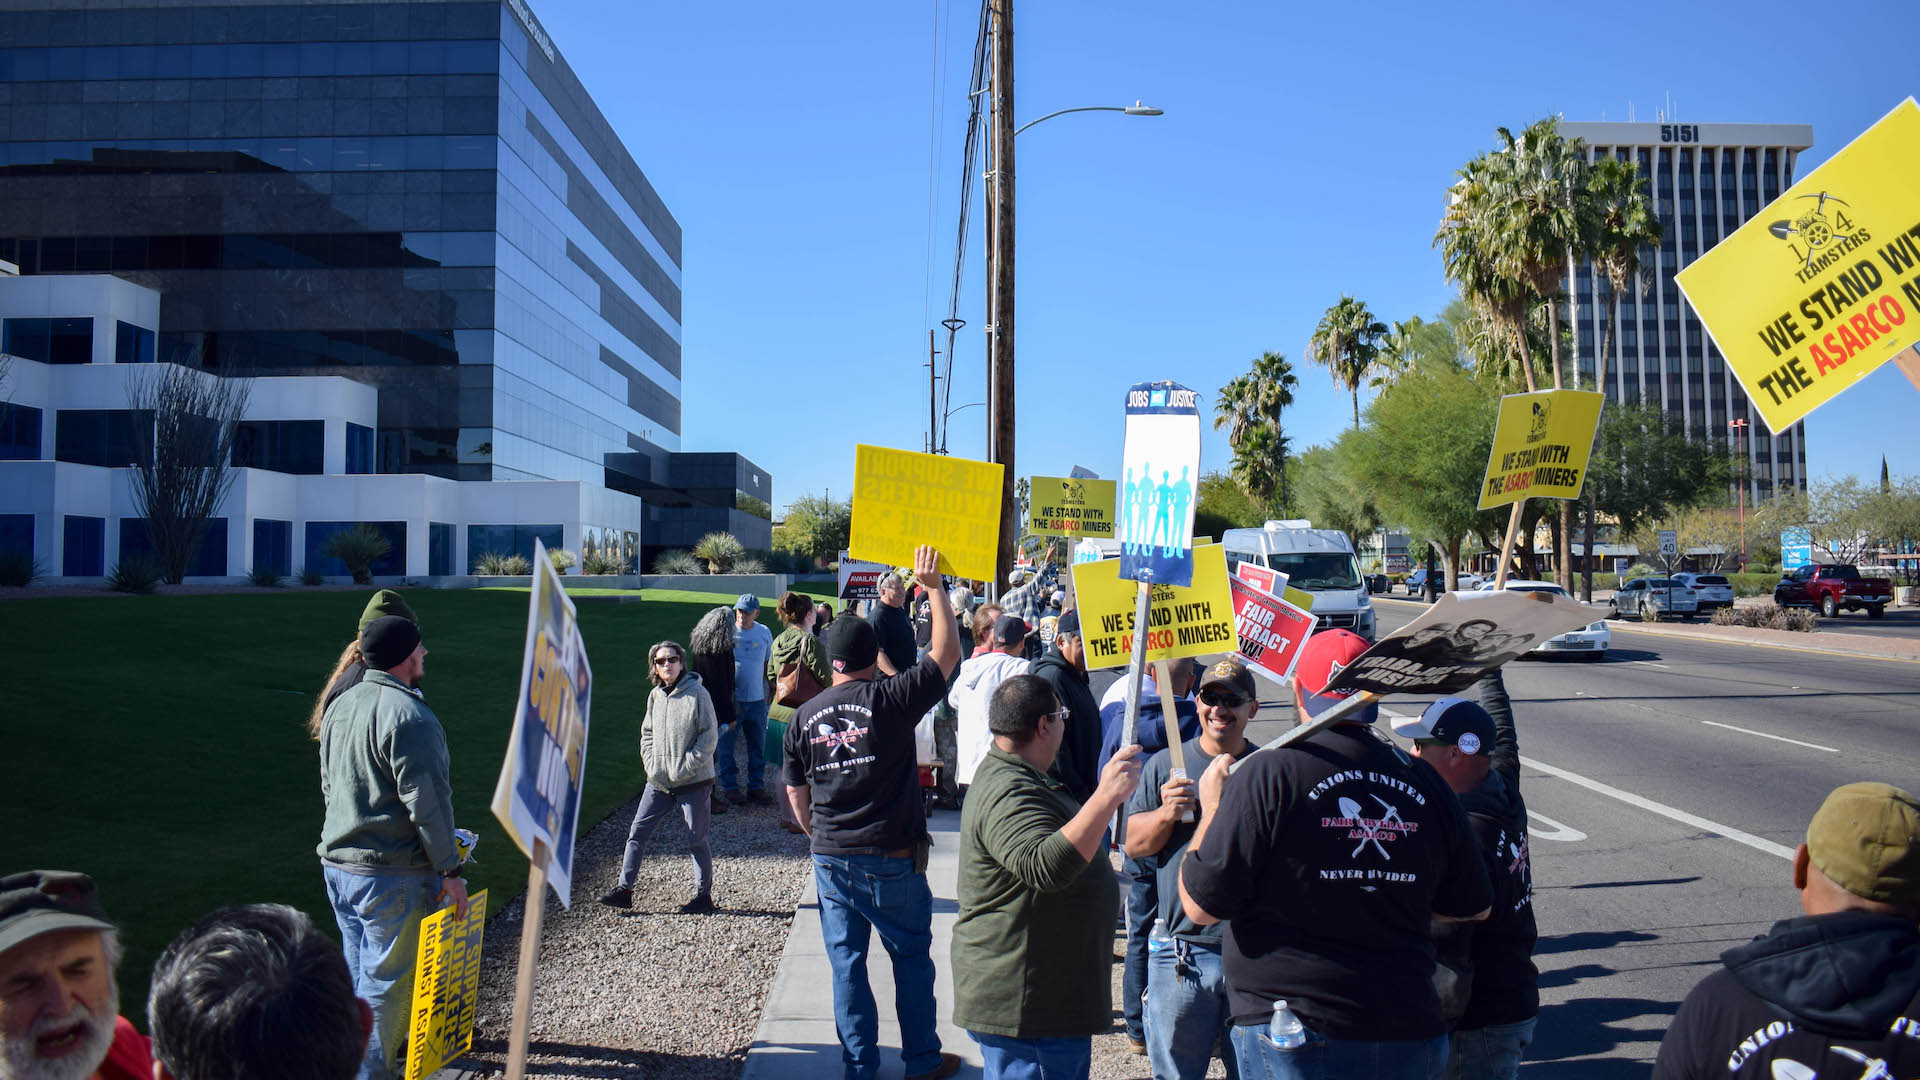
(1710, 591)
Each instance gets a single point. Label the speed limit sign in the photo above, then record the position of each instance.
(1669, 543)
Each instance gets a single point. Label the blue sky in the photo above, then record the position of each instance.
(1303, 154)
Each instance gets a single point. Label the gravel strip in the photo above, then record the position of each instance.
(649, 993)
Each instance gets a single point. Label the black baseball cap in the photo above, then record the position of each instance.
(1008, 629)
(1230, 674)
(36, 902)
(851, 645)
(1069, 624)
(1453, 721)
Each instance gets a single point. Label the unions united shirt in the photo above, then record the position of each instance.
(853, 745)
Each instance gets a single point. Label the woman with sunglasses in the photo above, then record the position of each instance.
(677, 741)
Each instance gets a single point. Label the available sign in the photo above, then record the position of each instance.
(1540, 447)
(902, 499)
(1823, 285)
(1070, 506)
(446, 987)
(538, 795)
(859, 580)
(1182, 620)
(1271, 631)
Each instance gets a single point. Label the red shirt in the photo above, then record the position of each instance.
(131, 1055)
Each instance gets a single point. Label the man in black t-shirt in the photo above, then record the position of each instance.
(1328, 859)
(853, 778)
(892, 626)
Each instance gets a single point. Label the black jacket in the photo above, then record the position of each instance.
(1493, 980)
(716, 674)
(1078, 764)
(1835, 994)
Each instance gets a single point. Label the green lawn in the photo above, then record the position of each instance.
(157, 743)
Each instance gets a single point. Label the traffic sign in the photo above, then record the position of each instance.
(1669, 543)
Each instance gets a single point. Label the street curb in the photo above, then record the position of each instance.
(1704, 633)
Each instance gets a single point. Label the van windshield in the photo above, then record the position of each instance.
(1317, 570)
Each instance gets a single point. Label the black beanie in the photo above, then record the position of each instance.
(851, 645)
(387, 642)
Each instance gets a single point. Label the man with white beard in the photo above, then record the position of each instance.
(59, 1005)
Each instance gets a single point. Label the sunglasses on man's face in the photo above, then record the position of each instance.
(661, 661)
(1219, 700)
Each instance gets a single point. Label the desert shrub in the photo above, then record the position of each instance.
(489, 563)
(747, 564)
(359, 548)
(265, 578)
(596, 563)
(1728, 616)
(719, 550)
(135, 574)
(677, 562)
(18, 569)
(1767, 617)
(516, 566)
(562, 559)
(1803, 621)
(310, 576)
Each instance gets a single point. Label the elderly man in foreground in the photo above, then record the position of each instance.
(59, 1004)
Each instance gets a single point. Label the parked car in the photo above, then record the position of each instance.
(1710, 591)
(1593, 640)
(1832, 587)
(1417, 581)
(1652, 598)
(1379, 583)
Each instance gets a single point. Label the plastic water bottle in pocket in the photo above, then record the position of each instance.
(1285, 1030)
(1158, 938)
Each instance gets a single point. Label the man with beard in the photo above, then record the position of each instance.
(59, 1003)
(386, 848)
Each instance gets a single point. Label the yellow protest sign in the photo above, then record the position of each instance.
(446, 987)
(1823, 285)
(1070, 506)
(902, 499)
(1182, 621)
(1540, 446)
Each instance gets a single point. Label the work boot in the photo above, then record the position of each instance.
(949, 1064)
(699, 905)
(719, 803)
(736, 798)
(620, 896)
(760, 798)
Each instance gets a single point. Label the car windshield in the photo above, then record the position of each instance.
(1711, 579)
(1662, 583)
(1317, 570)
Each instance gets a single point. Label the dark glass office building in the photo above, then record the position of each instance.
(421, 196)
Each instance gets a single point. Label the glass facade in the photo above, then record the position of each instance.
(83, 546)
(419, 196)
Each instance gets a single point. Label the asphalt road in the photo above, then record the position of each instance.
(1667, 787)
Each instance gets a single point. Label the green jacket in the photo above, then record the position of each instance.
(1033, 946)
(797, 644)
(386, 779)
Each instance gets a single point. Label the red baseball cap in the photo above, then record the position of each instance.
(1321, 659)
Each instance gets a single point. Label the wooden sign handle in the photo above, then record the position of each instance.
(1170, 715)
(531, 918)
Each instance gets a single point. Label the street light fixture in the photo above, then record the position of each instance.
(1135, 109)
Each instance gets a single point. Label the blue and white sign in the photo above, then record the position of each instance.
(1796, 549)
(1161, 466)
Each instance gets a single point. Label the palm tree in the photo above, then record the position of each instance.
(1259, 466)
(1470, 238)
(1347, 344)
(1250, 407)
(1544, 215)
(1236, 408)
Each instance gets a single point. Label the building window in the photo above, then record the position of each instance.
(50, 341)
(288, 446)
(209, 561)
(359, 448)
(132, 344)
(509, 540)
(273, 545)
(392, 564)
(439, 548)
(111, 438)
(19, 432)
(84, 546)
(16, 534)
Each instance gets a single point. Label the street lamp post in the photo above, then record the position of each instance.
(1740, 480)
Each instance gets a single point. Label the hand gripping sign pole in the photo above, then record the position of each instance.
(1161, 462)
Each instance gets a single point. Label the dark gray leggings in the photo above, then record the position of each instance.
(696, 806)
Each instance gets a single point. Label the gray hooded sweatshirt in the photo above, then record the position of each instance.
(679, 735)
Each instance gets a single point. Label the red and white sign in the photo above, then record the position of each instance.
(860, 580)
(1264, 578)
(1271, 631)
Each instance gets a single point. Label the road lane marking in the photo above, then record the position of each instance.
(1650, 663)
(1764, 735)
(1565, 833)
(1738, 836)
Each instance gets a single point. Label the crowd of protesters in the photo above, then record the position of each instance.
(1337, 908)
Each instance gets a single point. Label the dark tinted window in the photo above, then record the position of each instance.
(209, 561)
(19, 432)
(509, 540)
(439, 548)
(16, 534)
(84, 546)
(50, 341)
(359, 448)
(288, 446)
(1711, 579)
(106, 437)
(392, 564)
(273, 545)
(1844, 572)
(132, 344)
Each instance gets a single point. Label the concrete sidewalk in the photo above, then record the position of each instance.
(796, 1039)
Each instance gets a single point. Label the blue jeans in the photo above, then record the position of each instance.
(1035, 1059)
(858, 894)
(1338, 1059)
(750, 719)
(1187, 1011)
(379, 917)
(1143, 900)
(1489, 1053)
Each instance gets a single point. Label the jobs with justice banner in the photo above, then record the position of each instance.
(1823, 285)
(1181, 620)
(1161, 460)
(903, 499)
(1541, 446)
(1460, 638)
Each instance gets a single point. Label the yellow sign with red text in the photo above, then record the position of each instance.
(1823, 285)
(1540, 446)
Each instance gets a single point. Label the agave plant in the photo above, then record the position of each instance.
(719, 551)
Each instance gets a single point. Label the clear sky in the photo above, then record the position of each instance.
(1303, 154)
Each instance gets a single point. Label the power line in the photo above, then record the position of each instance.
(976, 93)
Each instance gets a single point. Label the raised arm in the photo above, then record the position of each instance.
(1505, 759)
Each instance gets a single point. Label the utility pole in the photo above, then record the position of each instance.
(933, 398)
(1000, 385)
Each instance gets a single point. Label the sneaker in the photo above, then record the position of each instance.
(719, 804)
(699, 905)
(949, 1064)
(1136, 1047)
(620, 896)
(736, 798)
(759, 798)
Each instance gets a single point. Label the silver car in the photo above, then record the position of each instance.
(1652, 598)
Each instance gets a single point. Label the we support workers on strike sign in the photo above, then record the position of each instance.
(1161, 459)
(1071, 506)
(1541, 446)
(1182, 620)
(902, 499)
(1823, 286)
(446, 987)
(538, 795)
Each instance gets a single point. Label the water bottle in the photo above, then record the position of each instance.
(1158, 938)
(1285, 1029)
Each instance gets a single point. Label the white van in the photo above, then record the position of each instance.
(1316, 561)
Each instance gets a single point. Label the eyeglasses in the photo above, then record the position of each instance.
(1061, 714)
(661, 661)
(1222, 701)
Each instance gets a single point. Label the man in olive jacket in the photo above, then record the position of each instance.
(386, 844)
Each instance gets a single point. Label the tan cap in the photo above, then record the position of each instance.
(1866, 839)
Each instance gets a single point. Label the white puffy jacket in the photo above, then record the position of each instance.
(972, 692)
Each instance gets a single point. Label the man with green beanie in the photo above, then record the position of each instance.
(384, 603)
(1837, 991)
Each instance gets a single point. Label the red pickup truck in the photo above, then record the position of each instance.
(1831, 587)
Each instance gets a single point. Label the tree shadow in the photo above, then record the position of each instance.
(1571, 975)
(1634, 884)
(1589, 939)
(598, 1061)
(1585, 1027)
